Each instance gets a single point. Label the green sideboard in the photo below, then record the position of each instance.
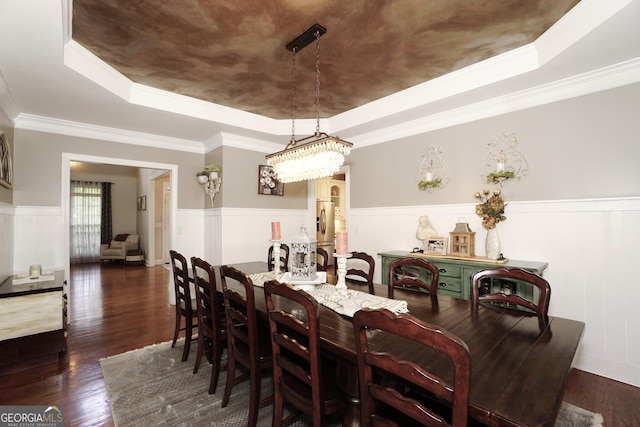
(455, 273)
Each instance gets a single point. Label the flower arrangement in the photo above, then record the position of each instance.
(491, 210)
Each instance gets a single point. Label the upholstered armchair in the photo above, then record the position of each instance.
(118, 247)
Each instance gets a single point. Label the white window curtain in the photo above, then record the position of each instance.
(85, 221)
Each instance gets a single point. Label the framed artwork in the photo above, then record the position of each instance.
(268, 182)
(6, 163)
(437, 246)
(142, 203)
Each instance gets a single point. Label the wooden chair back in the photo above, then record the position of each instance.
(284, 258)
(185, 302)
(505, 296)
(400, 276)
(295, 342)
(245, 344)
(323, 259)
(374, 367)
(212, 332)
(362, 265)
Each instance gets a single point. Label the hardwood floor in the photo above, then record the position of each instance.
(115, 309)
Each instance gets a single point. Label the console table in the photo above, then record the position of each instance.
(33, 319)
(455, 272)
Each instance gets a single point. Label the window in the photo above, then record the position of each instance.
(85, 221)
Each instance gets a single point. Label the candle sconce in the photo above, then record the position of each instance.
(210, 181)
(433, 172)
(504, 163)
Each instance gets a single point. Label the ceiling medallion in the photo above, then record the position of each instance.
(316, 156)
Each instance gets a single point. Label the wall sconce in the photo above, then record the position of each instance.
(210, 181)
(504, 162)
(433, 172)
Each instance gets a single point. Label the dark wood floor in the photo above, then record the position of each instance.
(115, 309)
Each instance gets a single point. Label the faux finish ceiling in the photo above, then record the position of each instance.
(233, 53)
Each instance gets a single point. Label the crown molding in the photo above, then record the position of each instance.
(243, 142)
(606, 78)
(602, 79)
(84, 130)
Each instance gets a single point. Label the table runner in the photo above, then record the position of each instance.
(348, 301)
(345, 302)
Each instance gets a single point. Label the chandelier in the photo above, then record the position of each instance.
(316, 156)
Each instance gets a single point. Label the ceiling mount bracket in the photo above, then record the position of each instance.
(310, 35)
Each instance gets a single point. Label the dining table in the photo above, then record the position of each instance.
(519, 369)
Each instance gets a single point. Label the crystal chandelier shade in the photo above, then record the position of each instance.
(316, 159)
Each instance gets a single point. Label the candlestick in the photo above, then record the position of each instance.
(276, 257)
(342, 271)
(341, 242)
(500, 167)
(429, 177)
(275, 231)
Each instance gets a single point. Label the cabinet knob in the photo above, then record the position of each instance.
(442, 285)
(442, 270)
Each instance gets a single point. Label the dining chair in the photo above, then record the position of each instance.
(361, 265)
(212, 324)
(384, 405)
(323, 259)
(300, 375)
(247, 345)
(408, 273)
(494, 286)
(185, 303)
(284, 258)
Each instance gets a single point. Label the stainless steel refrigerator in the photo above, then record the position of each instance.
(325, 227)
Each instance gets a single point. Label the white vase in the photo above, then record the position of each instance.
(492, 244)
(202, 178)
(213, 175)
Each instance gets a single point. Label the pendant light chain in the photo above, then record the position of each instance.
(317, 83)
(293, 97)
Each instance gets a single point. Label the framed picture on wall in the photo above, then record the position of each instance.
(142, 203)
(268, 182)
(6, 163)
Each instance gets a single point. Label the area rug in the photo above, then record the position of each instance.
(152, 387)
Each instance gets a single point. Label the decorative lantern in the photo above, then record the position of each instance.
(463, 240)
(302, 260)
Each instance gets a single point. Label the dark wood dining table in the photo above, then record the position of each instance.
(519, 371)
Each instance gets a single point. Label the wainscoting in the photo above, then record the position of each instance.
(590, 245)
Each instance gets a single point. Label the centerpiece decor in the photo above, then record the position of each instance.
(491, 210)
(302, 262)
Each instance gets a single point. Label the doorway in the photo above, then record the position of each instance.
(162, 217)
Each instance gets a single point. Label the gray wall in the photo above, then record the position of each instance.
(38, 160)
(240, 182)
(586, 147)
(123, 191)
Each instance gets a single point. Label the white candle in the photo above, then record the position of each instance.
(275, 231)
(341, 242)
(429, 176)
(500, 167)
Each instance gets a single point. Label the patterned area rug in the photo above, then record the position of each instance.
(152, 387)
